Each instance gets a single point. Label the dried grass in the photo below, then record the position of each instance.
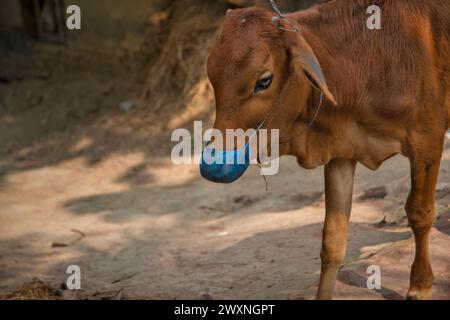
(35, 290)
(192, 26)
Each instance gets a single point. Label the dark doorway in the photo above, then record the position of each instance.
(44, 19)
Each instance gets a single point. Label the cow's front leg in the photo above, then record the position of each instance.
(421, 212)
(339, 175)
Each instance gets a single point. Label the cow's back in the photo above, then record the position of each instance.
(392, 73)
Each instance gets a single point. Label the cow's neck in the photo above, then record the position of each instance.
(309, 141)
(334, 36)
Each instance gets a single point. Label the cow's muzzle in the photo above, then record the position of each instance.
(224, 166)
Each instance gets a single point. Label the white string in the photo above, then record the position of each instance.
(276, 20)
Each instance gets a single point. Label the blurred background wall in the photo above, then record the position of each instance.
(161, 45)
(115, 35)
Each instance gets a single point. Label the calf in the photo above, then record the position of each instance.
(386, 92)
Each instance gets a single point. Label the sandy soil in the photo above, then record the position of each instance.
(140, 227)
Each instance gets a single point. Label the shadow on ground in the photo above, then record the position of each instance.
(278, 264)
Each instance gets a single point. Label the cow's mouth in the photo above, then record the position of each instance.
(224, 166)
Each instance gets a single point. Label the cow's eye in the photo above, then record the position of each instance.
(263, 83)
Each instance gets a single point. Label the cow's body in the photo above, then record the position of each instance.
(388, 92)
(389, 82)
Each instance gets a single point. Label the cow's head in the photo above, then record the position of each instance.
(257, 69)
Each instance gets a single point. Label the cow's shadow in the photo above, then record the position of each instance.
(287, 261)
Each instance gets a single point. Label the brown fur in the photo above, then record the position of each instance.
(392, 88)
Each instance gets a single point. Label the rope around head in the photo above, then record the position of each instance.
(277, 20)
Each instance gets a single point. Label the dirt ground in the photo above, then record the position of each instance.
(83, 182)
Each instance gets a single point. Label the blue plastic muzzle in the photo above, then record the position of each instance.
(224, 166)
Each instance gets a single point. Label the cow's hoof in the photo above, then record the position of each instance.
(419, 294)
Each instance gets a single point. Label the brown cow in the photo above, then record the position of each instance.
(387, 92)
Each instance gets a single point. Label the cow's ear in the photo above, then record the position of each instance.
(303, 57)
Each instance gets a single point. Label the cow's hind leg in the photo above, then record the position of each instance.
(420, 208)
(339, 175)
